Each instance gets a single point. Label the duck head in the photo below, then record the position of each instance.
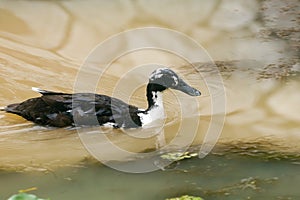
(164, 78)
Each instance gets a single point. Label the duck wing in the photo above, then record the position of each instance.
(88, 109)
(118, 112)
(106, 109)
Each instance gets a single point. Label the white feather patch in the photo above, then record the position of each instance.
(37, 89)
(156, 113)
(109, 125)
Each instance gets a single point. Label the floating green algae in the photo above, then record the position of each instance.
(186, 197)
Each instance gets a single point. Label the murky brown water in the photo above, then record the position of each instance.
(44, 43)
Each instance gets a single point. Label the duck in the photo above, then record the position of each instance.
(58, 109)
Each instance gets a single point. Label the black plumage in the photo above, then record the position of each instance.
(60, 110)
(88, 109)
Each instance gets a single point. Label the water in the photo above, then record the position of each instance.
(256, 46)
(215, 177)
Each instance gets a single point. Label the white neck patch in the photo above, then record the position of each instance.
(156, 112)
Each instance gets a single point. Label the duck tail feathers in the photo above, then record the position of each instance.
(39, 90)
(45, 92)
(12, 108)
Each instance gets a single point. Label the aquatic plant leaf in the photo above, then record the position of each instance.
(24, 196)
(177, 156)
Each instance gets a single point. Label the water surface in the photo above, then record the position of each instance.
(256, 48)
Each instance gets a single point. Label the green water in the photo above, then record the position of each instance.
(229, 176)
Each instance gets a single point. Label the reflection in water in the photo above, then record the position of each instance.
(45, 47)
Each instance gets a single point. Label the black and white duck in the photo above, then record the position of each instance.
(87, 109)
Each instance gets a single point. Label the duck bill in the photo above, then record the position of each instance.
(184, 87)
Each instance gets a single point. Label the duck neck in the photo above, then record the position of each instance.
(155, 110)
(154, 95)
